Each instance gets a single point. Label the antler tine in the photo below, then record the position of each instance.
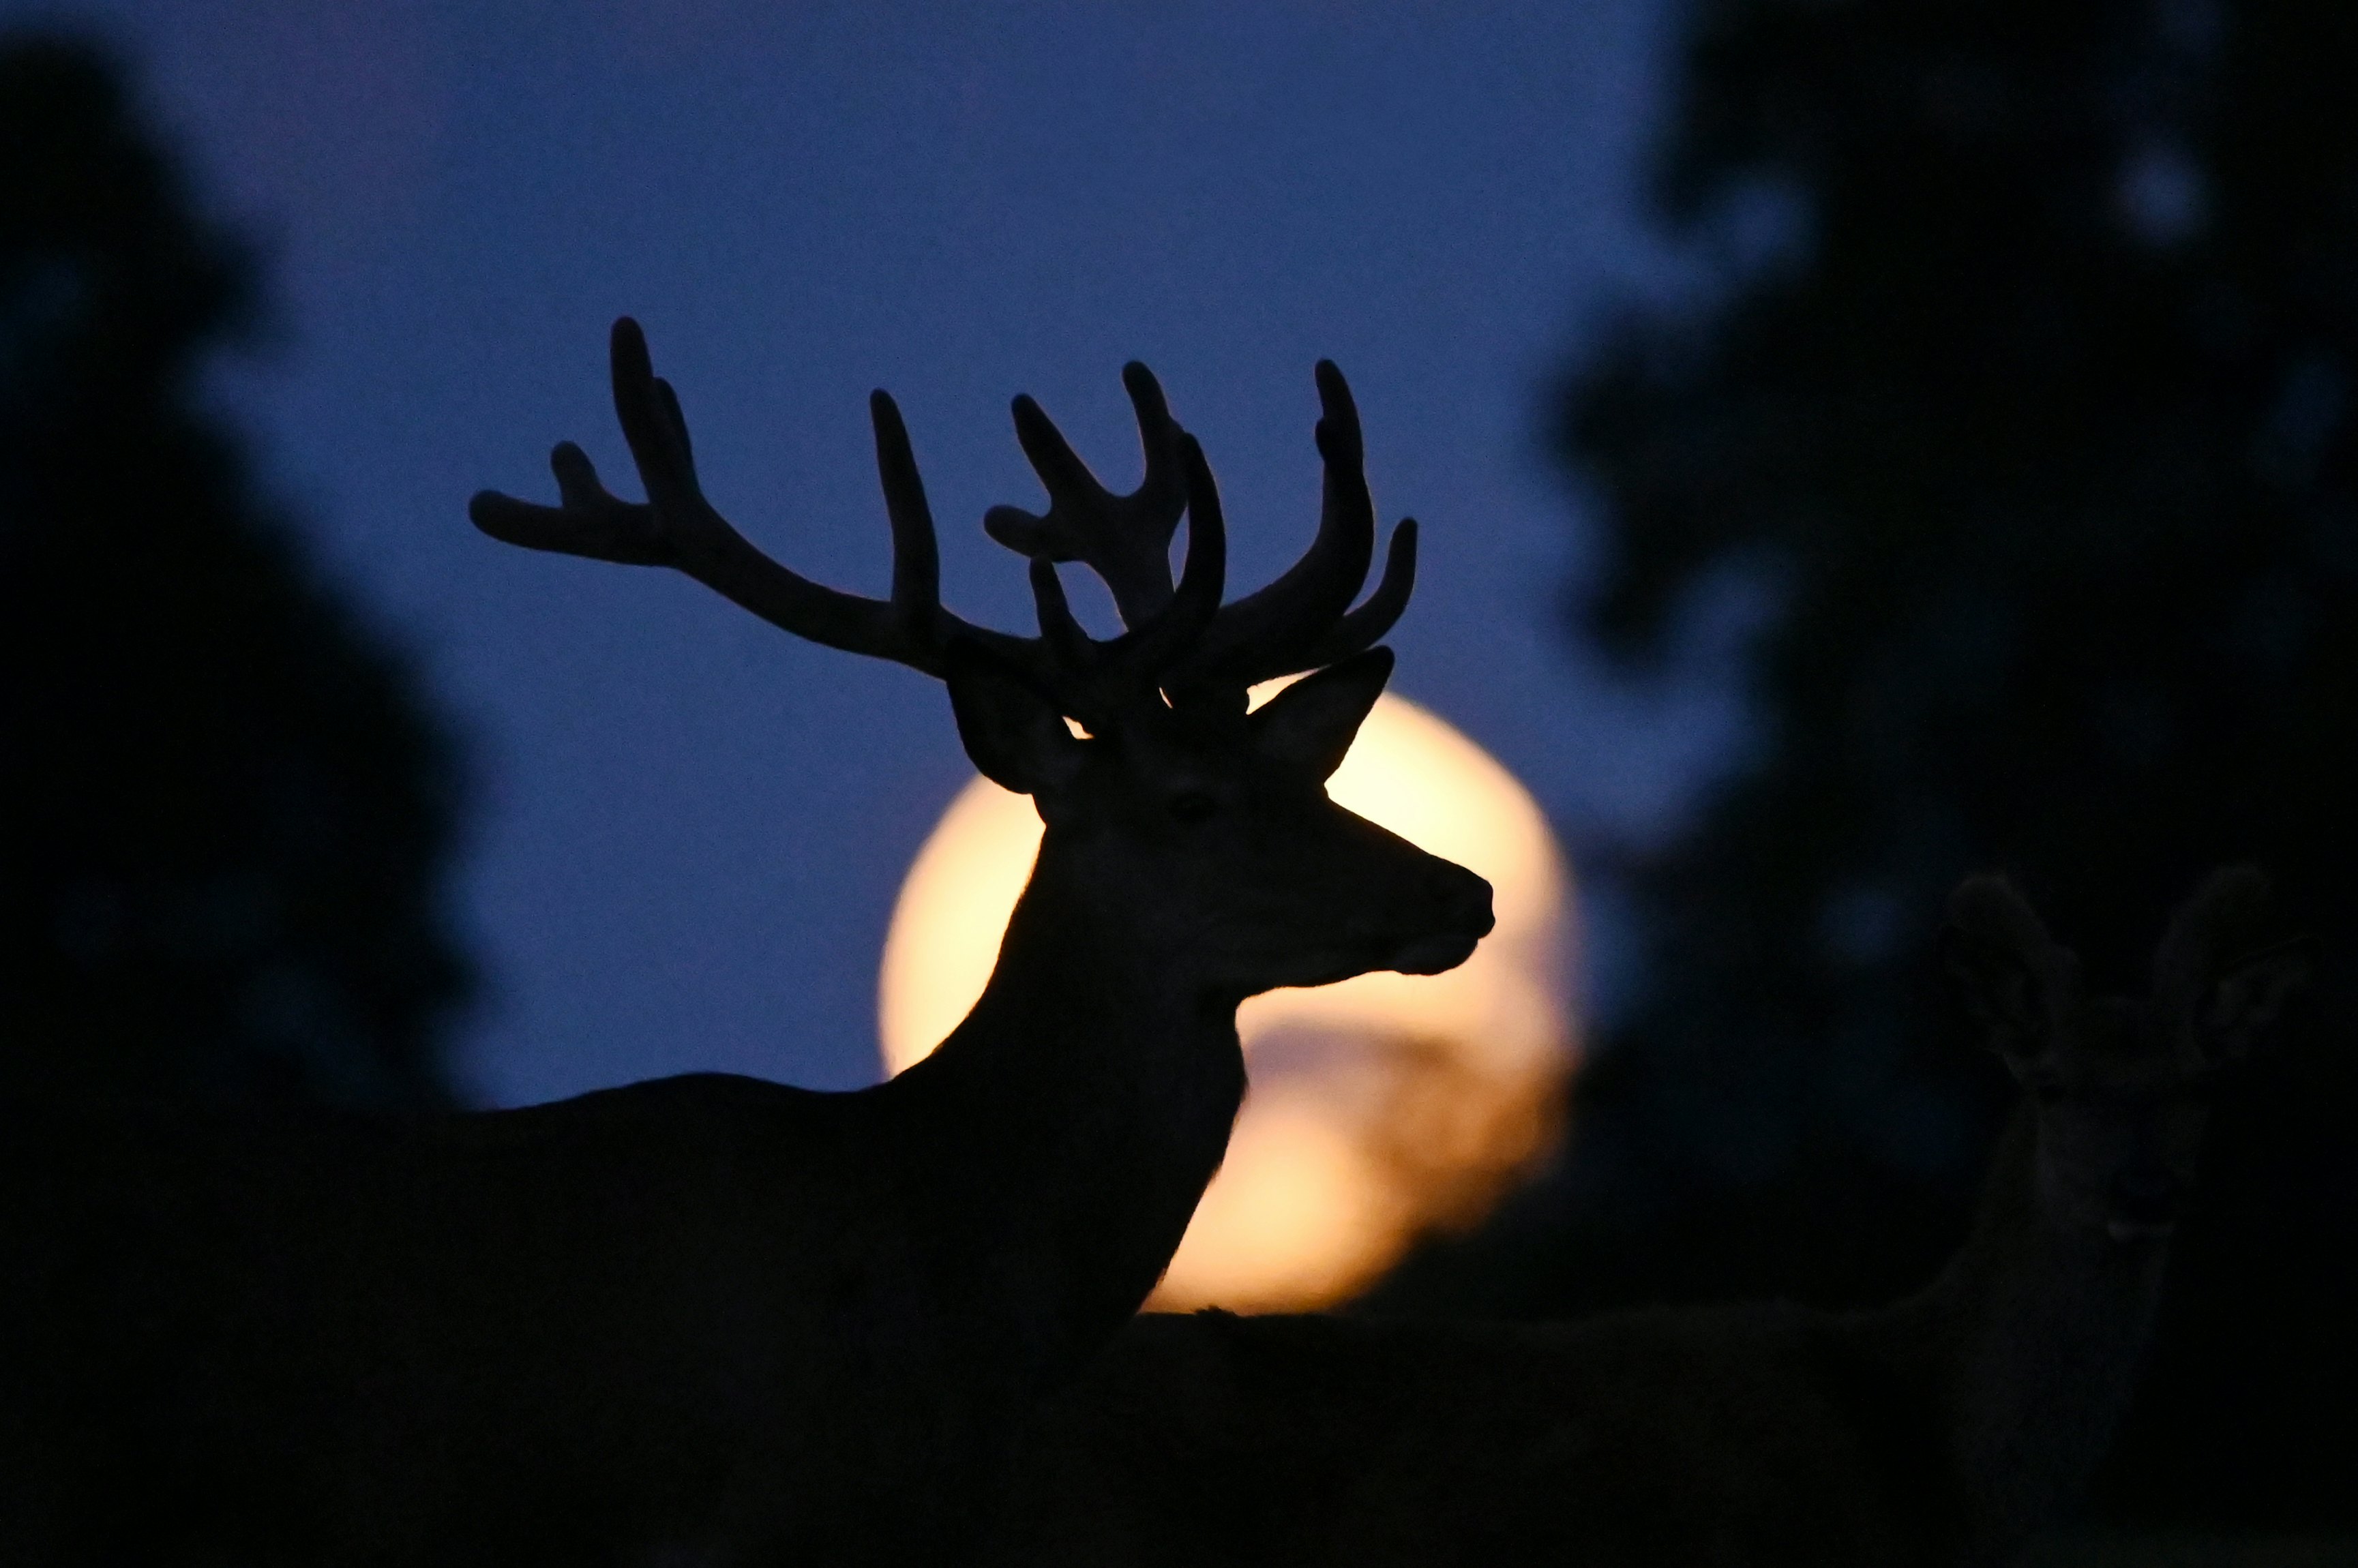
(1273, 632)
(1143, 655)
(1125, 539)
(1364, 627)
(676, 526)
(2223, 913)
(917, 554)
(1066, 639)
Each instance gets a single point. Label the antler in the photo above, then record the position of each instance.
(1125, 539)
(676, 526)
(2222, 920)
(1299, 622)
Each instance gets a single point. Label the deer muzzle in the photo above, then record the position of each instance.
(1461, 918)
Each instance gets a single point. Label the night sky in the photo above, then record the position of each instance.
(689, 826)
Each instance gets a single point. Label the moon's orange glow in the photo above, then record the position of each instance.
(1381, 1107)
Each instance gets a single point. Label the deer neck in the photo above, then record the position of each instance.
(2033, 1333)
(1070, 1123)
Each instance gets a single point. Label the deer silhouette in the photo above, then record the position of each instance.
(710, 1319)
(1945, 1429)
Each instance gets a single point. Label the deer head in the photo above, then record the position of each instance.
(2120, 1085)
(1202, 827)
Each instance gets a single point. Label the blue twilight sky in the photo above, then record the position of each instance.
(689, 826)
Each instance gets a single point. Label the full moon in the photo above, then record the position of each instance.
(1381, 1108)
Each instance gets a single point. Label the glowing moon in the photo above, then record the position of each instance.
(1380, 1108)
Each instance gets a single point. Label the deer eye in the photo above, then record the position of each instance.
(1192, 805)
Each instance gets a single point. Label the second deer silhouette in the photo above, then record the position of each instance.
(715, 1320)
(1943, 1430)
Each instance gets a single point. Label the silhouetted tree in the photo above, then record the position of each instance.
(229, 812)
(2025, 403)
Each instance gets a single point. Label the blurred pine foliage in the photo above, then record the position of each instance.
(230, 809)
(2022, 397)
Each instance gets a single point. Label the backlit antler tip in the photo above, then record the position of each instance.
(514, 521)
(894, 456)
(1144, 390)
(485, 509)
(1021, 531)
(627, 344)
(1338, 425)
(1333, 392)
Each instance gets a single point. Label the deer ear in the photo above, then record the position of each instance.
(1017, 739)
(1310, 724)
(2249, 995)
(2002, 963)
(1996, 987)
